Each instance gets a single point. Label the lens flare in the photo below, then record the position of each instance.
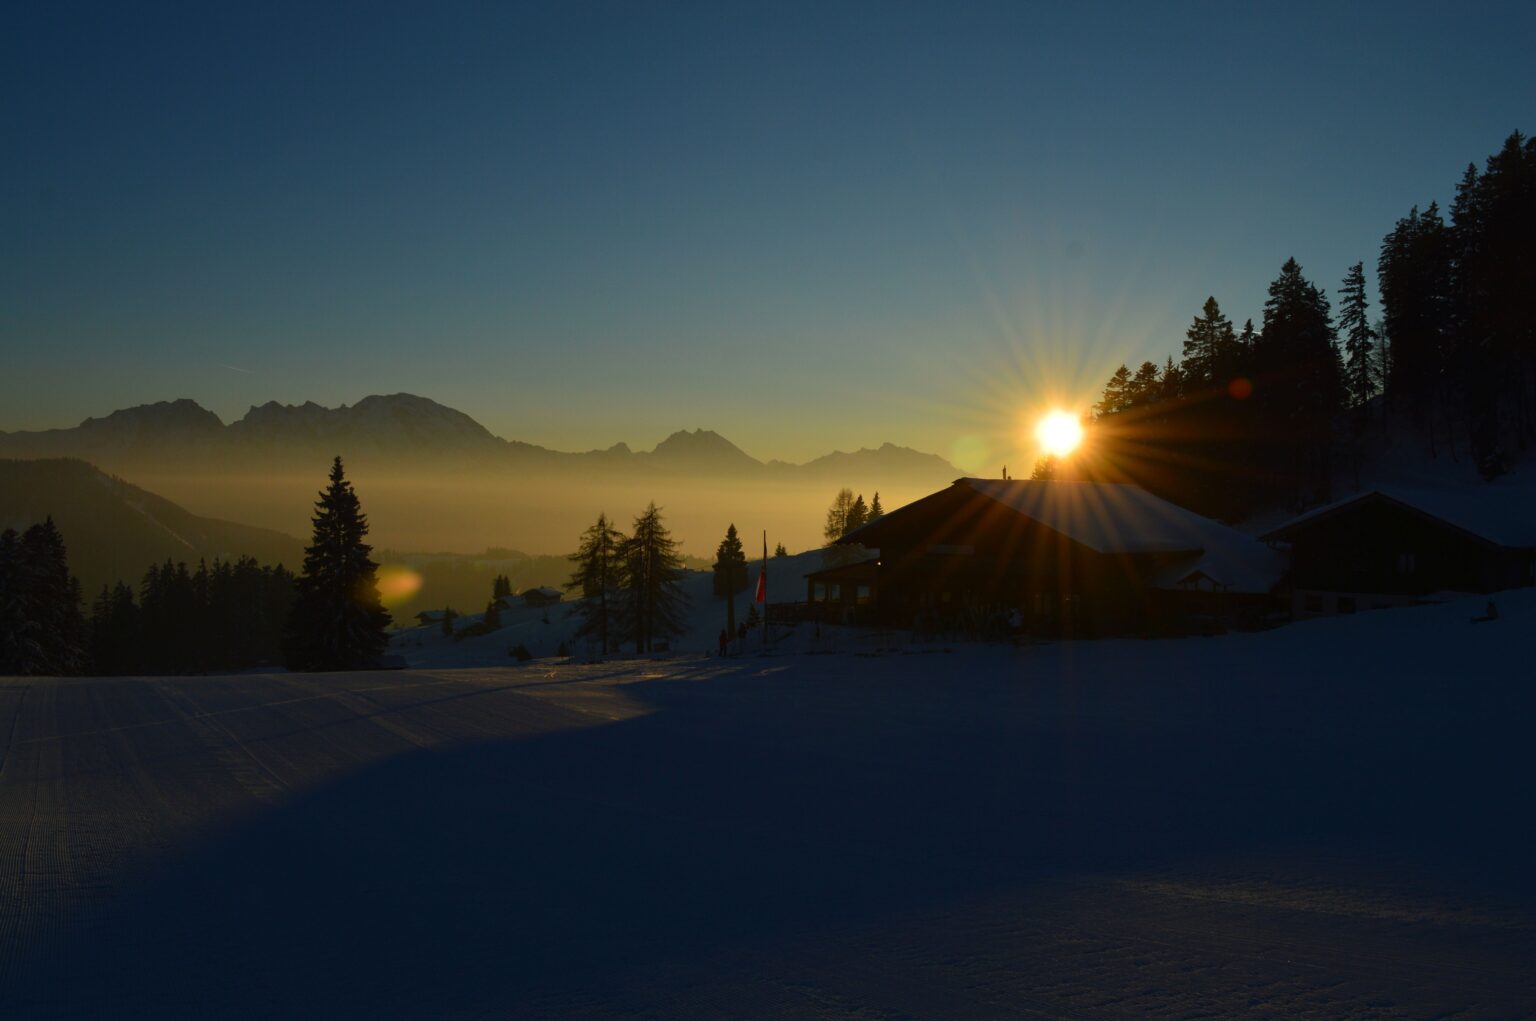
(1059, 433)
(970, 453)
(397, 583)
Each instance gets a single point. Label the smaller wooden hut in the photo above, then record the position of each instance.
(1393, 548)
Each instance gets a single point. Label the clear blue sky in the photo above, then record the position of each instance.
(806, 228)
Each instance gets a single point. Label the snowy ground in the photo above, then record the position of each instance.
(1327, 820)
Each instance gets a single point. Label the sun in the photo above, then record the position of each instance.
(1059, 433)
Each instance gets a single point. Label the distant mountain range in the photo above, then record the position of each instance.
(406, 429)
(114, 530)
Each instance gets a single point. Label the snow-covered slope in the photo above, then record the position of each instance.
(1329, 820)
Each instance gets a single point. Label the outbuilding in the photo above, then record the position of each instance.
(541, 596)
(1396, 547)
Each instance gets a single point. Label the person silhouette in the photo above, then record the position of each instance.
(725, 642)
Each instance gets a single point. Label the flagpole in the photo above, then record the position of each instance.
(765, 588)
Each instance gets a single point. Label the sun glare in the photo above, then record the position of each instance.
(1059, 433)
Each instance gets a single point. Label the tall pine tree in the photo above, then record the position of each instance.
(19, 646)
(1414, 276)
(1208, 348)
(337, 621)
(1359, 339)
(730, 573)
(1116, 397)
(654, 599)
(1297, 358)
(598, 577)
(42, 630)
(858, 514)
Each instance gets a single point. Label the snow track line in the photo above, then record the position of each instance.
(10, 738)
(210, 721)
(225, 712)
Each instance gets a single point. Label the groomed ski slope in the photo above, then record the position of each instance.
(1328, 820)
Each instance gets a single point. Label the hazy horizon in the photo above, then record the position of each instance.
(468, 513)
(641, 444)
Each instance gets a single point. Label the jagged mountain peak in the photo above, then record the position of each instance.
(180, 415)
(700, 445)
(405, 427)
(391, 419)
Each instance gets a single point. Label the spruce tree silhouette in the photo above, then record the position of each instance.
(337, 621)
(730, 569)
(41, 627)
(654, 600)
(598, 578)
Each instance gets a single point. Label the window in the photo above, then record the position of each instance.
(819, 594)
(834, 592)
(1406, 563)
(862, 595)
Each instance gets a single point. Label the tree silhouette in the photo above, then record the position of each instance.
(41, 627)
(1116, 397)
(1359, 340)
(1296, 354)
(337, 621)
(1208, 348)
(730, 573)
(654, 599)
(858, 514)
(837, 515)
(599, 578)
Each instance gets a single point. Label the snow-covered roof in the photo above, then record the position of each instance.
(1116, 518)
(545, 591)
(1501, 514)
(1105, 517)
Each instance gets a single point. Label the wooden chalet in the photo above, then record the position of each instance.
(1393, 548)
(1059, 558)
(845, 593)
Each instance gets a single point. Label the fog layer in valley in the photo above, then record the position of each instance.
(472, 510)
